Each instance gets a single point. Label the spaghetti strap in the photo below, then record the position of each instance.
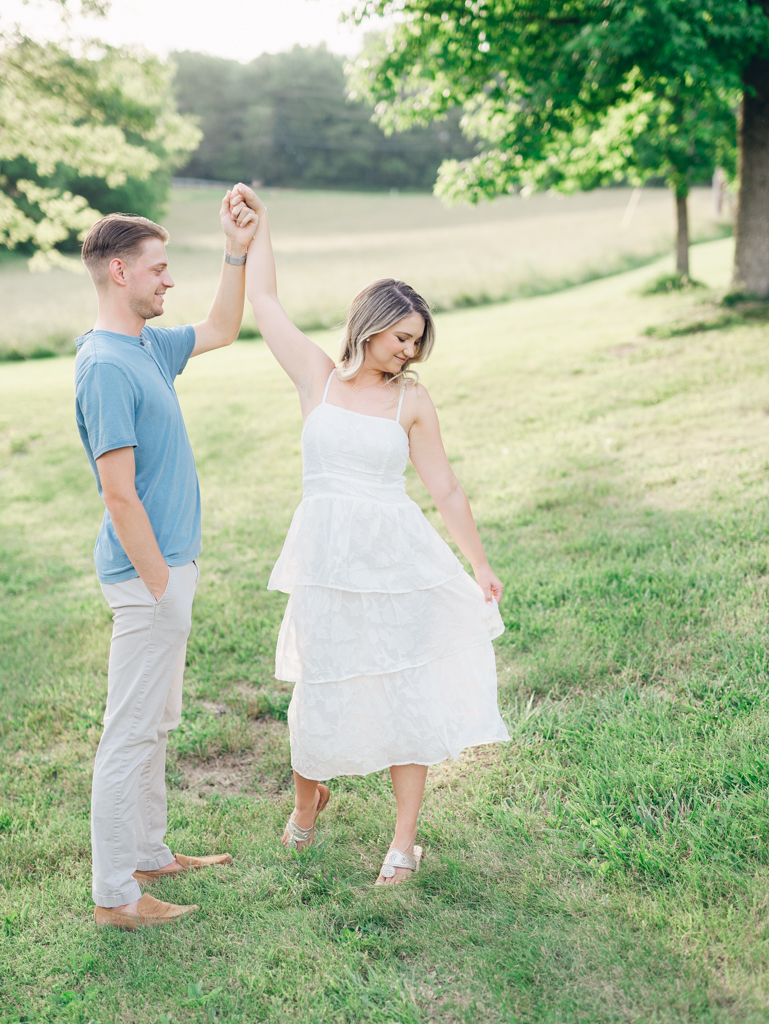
(328, 383)
(400, 403)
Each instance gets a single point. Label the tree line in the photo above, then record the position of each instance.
(285, 119)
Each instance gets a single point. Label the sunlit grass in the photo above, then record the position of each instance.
(610, 864)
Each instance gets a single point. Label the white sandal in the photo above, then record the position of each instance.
(397, 859)
(294, 834)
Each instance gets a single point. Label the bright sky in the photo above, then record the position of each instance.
(241, 29)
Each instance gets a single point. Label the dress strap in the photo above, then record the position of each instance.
(400, 403)
(328, 383)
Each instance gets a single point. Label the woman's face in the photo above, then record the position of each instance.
(389, 350)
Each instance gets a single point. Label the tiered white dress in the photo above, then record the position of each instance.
(386, 637)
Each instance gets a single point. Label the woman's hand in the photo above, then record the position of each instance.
(243, 199)
(489, 582)
(239, 224)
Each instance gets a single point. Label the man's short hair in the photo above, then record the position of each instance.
(117, 236)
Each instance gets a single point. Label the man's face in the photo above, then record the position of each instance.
(147, 279)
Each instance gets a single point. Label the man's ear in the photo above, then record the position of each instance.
(117, 271)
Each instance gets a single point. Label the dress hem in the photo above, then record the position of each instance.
(397, 764)
(289, 587)
(392, 672)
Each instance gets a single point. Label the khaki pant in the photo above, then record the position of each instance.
(144, 702)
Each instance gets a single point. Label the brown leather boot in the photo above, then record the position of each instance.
(150, 912)
(187, 863)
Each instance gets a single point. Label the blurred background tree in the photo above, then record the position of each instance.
(575, 93)
(285, 119)
(80, 136)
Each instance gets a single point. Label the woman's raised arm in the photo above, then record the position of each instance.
(305, 362)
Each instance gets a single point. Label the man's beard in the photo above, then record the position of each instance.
(144, 308)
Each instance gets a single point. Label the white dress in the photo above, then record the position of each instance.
(386, 637)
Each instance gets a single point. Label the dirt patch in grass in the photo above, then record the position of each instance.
(448, 773)
(627, 348)
(261, 768)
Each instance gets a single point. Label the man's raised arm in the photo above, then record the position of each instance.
(222, 324)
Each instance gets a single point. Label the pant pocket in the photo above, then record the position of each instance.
(168, 585)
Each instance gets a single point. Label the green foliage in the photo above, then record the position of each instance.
(668, 132)
(567, 94)
(148, 197)
(284, 119)
(675, 282)
(82, 136)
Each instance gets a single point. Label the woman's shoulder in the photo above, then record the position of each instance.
(412, 387)
(417, 404)
(415, 393)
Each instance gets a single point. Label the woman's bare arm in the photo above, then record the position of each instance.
(304, 361)
(431, 463)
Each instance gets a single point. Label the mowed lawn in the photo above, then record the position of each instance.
(610, 864)
(330, 244)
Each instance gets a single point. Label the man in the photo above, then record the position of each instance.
(132, 429)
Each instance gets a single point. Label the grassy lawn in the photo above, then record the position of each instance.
(331, 244)
(610, 864)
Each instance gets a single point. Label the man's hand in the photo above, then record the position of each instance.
(222, 324)
(239, 224)
(243, 198)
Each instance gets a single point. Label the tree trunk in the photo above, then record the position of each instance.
(751, 255)
(719, 180)
(682, 235)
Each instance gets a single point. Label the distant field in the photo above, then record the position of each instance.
(330, 244)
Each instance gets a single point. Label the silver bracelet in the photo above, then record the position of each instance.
(236, 261)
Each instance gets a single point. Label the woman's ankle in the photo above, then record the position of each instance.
(304, 813)
(404, 841)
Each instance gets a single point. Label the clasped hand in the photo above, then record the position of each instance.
(240, 219)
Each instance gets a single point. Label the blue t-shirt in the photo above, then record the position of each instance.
(125, 397)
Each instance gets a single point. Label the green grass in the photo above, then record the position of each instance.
(331, 244)
(610, 864)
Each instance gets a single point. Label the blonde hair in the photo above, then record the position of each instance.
(378, 306)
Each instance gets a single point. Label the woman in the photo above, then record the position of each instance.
(387, 639)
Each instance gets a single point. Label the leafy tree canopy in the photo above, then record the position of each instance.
(566, 93)
(75, 130)
(570, 94)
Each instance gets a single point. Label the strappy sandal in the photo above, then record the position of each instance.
(296, 834)
(396, 859)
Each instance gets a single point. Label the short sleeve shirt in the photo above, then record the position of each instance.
(125, 397)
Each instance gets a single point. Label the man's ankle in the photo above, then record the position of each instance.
(128, 908)
(171, 868)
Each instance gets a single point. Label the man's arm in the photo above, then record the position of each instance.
(117, 473)
(222, 324)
